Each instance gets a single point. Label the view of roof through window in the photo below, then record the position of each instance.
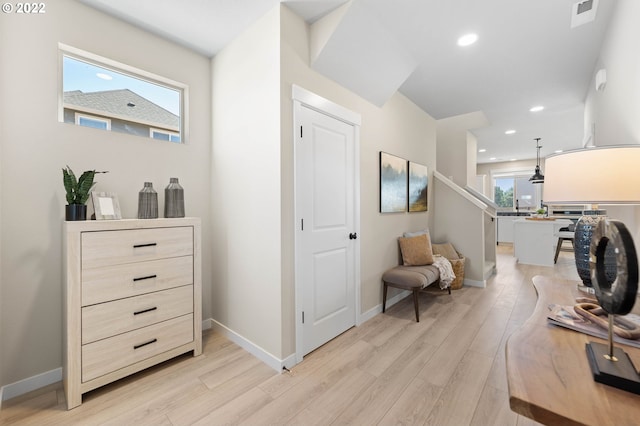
(117, 101)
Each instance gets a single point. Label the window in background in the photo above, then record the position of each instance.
(526, 193)
(503, 192)
(164, 135)
(93, 121)
(514, 190)
(103, 94)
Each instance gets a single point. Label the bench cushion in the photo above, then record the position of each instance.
(411, 277)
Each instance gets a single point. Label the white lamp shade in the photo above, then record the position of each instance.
(605, 175)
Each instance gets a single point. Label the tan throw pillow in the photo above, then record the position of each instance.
(445, 250)
(416, 251)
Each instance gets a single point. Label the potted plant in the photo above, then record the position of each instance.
(541, 212)
(78, 191)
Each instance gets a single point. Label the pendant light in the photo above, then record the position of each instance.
(537, 176)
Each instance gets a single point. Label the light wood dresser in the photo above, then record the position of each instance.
(132, 295)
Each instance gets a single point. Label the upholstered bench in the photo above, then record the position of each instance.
(412, 278)
(417, 270)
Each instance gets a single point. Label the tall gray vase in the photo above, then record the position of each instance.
(148, 202)
(582, 243)
(173, 199)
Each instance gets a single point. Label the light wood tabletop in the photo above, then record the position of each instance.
(548, 373)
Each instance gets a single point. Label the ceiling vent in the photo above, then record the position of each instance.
(583, 12)
(585, 6)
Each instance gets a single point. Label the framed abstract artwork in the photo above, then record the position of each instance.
(393, 183)
(418, 187)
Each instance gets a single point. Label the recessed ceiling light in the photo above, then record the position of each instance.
(558, 151)
(482, 150)
(492, 158)
(104, 76)
(513, 159)
(536, 108)
(509, 132)
(467, 39)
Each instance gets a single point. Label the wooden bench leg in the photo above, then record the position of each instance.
(384, 297)
(415, 304)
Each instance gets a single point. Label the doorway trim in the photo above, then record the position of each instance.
(302, 97)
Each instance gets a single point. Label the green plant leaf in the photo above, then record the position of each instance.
(84, 186)
(78, 190)
(70, 184)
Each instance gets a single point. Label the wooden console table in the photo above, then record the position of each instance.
(548, 373)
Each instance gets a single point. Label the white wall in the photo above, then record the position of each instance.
(2, 318)
(472, 159)
(399, 127)
(253, 213)
(460, 222)
(246, 184)
(452, 150)
(35, 147)
(615, 112)
(457, 147)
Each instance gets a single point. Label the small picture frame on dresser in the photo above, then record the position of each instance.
(106, 205)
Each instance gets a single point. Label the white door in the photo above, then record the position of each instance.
(326, 235)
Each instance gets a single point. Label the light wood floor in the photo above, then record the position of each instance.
(449, 369)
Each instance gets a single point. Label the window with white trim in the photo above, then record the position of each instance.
(514, 190)
(104, 94)
(93, 121)
(164, 135)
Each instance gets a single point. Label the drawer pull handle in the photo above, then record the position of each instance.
(145, 344)
(148, 277)
(145, 245)
(145, 310)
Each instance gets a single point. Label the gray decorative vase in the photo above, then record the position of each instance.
(582, 243)
(148, 202)
(173, 199)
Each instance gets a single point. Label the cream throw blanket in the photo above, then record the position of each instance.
(446, 271)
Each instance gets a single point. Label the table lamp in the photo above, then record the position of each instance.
(606, 175)
(594, 176)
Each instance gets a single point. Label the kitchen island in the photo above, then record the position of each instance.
(534, 240)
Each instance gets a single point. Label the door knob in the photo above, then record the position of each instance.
(353, 236)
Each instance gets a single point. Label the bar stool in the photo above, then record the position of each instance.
(564, 234)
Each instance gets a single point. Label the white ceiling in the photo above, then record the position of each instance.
(527, 54)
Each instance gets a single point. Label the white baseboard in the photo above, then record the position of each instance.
(255, 350)
(207, 324)
(366, 316)
(475, 283)
(31, 383)
(290, 361)
(48, 378)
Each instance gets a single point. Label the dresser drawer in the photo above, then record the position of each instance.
(107, 355)
(132, 279)
(135, 245)
(111, 318)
